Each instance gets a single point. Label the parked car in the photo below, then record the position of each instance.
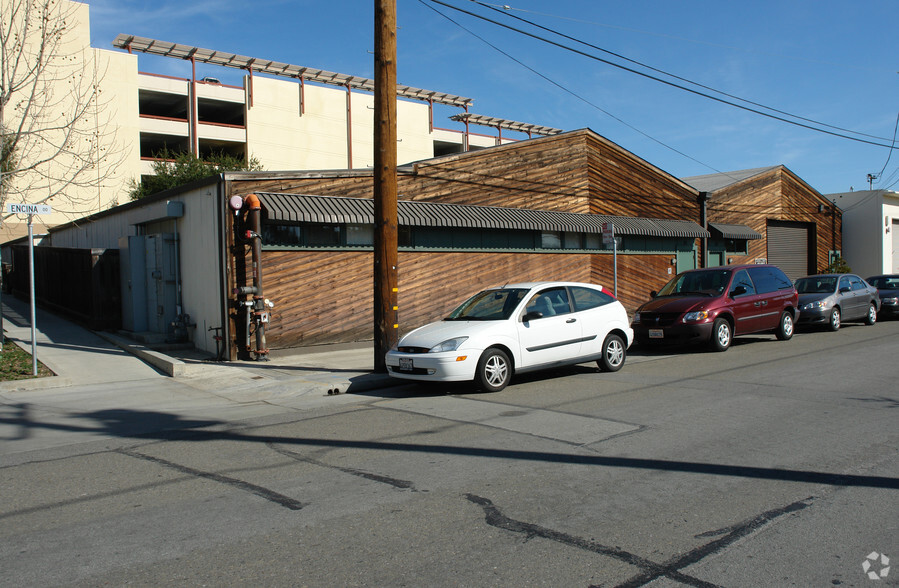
(513, 329)
(833, 299)
(888, 289)
(712, 305)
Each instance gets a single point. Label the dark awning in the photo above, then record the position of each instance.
(733, 231)
(331, 209)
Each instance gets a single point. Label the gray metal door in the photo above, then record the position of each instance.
(894, 263)
(788, 249)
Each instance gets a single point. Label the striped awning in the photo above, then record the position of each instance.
(734, 231)
(306, 208)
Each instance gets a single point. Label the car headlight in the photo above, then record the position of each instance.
(819, 305)
(448, 345)
(890, 300)
(636, 318)
(696, 316)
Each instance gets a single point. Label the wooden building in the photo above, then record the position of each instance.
(532, 210)
(798, 229)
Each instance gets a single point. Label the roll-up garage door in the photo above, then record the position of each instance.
(788, 248)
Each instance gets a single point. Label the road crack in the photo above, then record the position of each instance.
(261, 491)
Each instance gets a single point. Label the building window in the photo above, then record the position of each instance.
(551, 239)
(360, 235)
(323, 235)
(283, 235)
(573, 240)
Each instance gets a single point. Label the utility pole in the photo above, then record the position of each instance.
(385, 250)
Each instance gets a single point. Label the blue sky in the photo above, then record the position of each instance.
(831, 62)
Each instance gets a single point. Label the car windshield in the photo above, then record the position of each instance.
(704, 283)
(885, 282)
(816, 285)
(489, 305)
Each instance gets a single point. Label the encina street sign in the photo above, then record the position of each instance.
(12, 208)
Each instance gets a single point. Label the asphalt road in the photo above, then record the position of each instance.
(773, 464)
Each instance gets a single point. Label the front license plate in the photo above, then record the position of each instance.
(405, 364)
(656, 334)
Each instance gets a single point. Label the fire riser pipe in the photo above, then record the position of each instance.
(254, 214)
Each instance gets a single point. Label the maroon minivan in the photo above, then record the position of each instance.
(712, 305)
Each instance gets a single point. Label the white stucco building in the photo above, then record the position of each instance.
(870, 230)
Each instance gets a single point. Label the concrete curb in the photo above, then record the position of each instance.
(168, 365)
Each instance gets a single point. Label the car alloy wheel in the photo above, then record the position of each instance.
(721, 335)
(786, 326)
(613, 354)
(871, 317)
(834, 319)
(494, 370)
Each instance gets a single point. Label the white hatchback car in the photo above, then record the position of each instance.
(516, 328)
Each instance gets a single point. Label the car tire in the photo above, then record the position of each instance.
(786, 326)
(614, 353)
(834, 323)
(871, 317)
(722, 335)
(494, 370)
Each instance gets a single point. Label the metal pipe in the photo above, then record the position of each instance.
(258, 307)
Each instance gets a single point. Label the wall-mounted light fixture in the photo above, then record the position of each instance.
(820, 208)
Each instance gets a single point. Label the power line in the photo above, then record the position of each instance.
(685, 39)
(890, 154)
(677, 77)
(569, 91)
(666, 82)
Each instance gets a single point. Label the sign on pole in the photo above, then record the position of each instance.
(30, 210)
(13, 208)
(608, 238)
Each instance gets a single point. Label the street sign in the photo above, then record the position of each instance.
(13, 208)
(608, 233)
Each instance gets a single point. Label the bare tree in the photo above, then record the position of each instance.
(57, 145)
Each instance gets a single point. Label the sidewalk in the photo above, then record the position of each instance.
(79, 356)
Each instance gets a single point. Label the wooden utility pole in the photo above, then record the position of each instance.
(385, 258)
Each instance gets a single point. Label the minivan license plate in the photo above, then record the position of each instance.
(656, 334)
(405, 364)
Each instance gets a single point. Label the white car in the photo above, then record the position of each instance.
(516, 328)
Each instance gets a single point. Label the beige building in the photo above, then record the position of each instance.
(76, 121)
(288, 117)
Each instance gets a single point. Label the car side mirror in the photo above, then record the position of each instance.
(534, 314)
(653, 294)
(738, 291)
(844, 289)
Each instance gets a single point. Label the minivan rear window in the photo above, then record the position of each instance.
(769, 279)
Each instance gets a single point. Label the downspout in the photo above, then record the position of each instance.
(703, 200)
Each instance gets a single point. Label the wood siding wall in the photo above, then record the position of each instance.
(327, 297)
(621, 184)
(638, 275)
(777, 195)
(573, 172)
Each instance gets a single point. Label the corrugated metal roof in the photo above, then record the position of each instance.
(713, 182)
(735, 231)
(331, 209)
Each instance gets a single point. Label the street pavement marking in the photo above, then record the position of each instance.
(570, 428)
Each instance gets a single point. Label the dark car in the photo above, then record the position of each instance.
(833, 299)
(888, 289)
(712, 305)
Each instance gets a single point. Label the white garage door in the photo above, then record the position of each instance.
(895, 261)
